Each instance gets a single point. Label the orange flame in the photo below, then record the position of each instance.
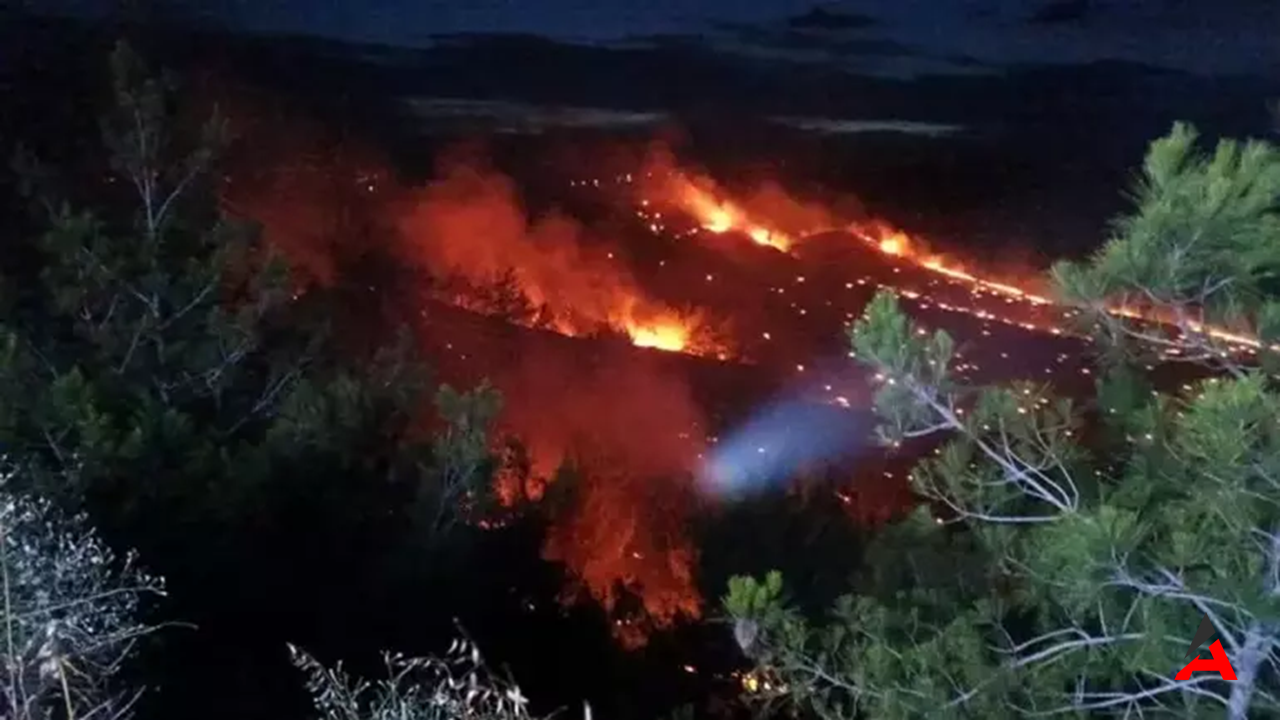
(626, 540)
(667, 335)
(719, 215)
(470, 223)
(700, 197)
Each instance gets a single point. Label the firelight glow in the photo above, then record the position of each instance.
(701, 198)
(669, 336)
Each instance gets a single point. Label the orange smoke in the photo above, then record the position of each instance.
(614, 402)
(632, 433)
(626, 540)
(469, 224)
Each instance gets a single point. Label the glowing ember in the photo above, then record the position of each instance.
(671, 337)
(772, 238)
(892, 246)
(718, 220)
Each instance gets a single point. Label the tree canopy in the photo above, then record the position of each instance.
(160, 376)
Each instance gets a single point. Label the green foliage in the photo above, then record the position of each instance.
(748, 596)
(894, 650)
(1200, 247)
(163, 358)
(463, 460)
(161, 377)
(885, 338)
(464, 444)
(1203, 221)
(1106, 531)
(141, 351)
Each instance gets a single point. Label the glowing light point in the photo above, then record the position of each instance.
(668, 337)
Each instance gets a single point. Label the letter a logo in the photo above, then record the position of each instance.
(1218, 663)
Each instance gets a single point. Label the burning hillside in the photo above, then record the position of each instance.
(770, 217)
(468, 226)
(745, 291)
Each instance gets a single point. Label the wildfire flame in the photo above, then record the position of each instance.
(669, 335)
(470, 223)
(698, 197)
(721, 216)
(624, 531)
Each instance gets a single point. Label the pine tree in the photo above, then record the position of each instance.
(165, 357)
(1095, 534)
(141, 346)
(158, 374)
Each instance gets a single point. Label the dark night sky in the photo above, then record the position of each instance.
(1035, 142)
(898, 36)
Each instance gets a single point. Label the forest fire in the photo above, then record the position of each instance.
(700, 197)
(671, 336)
(791, 221)
(467, 230)
(468, 224)
(721, 216)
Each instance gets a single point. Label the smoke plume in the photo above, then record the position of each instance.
(469, 223)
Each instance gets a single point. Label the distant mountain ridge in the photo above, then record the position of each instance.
(677, 74)
(1039, 142)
